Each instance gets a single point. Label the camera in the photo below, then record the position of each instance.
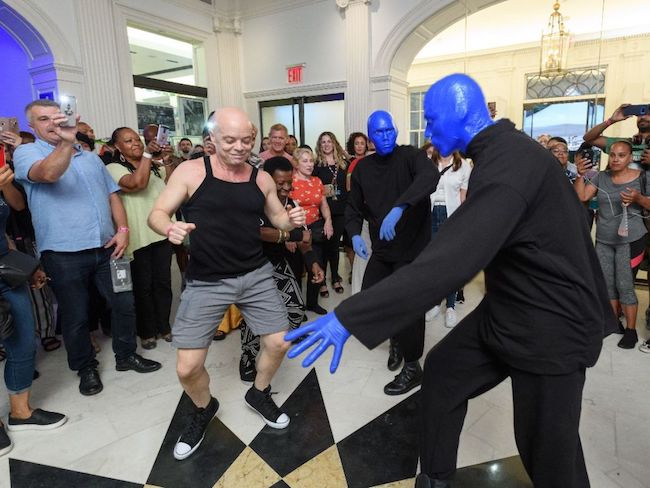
(586, 151)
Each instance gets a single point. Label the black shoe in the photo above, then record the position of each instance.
(629, 339)
(395, 355)
(317, 309)
(304, 318)
(406, 380)
(460, 296)
(423, 481)
(247, 371)
(262, 403)
(137, 363)
(191, 438)
(5, 442)
(150, 343)
(90, 383)
(40, 420)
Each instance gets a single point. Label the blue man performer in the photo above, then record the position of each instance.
(544, 314)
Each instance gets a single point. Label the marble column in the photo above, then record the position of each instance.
(357, 63)
(224, 64)
(108, 100)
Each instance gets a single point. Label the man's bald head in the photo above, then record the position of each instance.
(232, 133)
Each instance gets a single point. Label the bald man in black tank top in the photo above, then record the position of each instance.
(224, 199)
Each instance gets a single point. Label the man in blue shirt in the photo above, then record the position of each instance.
(75, 211)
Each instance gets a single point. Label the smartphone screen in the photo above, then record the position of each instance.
(69, 109)
(9, 124)
(162, 138)
(3, 159)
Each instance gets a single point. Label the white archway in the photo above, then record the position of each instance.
(391, 64)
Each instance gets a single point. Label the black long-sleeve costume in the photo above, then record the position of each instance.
(380, 183)
(541, 321)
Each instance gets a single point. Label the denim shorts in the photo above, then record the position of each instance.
(203, 305)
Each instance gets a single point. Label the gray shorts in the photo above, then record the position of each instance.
(203, 305)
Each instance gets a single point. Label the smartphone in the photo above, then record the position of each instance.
(68, 105)
(9, 124)
(636, 110)
(3, 159)
(162, 137)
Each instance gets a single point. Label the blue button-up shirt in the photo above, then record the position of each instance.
(74, 213)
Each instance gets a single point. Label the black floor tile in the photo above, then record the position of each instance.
(308, 434)
(280, 484)
(24, 474)
(384, 450)
(219, 449)
(501, 473)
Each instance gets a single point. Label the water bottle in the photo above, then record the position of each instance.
(121, 275)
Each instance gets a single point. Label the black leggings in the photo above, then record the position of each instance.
(331, 248)
(411, 339)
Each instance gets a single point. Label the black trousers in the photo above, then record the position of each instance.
(411, 339)
(546, 409)
(331, 247)
(312, 288)
(152, 288)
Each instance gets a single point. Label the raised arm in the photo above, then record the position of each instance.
(51, 168)
(593, 136)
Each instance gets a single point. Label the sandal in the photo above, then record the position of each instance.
(219, 335)
(50, 343)
(338, 288)
(323, 292)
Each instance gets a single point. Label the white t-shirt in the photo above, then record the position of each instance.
(450, 185)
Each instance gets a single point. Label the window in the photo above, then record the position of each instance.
(166, 84)
(416, 119)
(565, 105)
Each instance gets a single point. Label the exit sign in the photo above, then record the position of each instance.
(294, 74)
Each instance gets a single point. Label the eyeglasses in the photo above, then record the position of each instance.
(559, 151)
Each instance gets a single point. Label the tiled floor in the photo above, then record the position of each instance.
(344, 431)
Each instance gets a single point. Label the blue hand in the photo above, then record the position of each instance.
(387, 230)
(359, 246)
(328, 330)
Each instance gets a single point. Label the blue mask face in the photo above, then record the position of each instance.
(382, 132)
(455, 111)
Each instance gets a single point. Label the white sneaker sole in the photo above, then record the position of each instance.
(179, 457)
(268, 422)
(19, 427)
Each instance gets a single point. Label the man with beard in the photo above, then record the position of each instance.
(185, 147)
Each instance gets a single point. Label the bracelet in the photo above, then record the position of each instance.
(281, 236)
(123, 230)
(147, 155)
(169, 229)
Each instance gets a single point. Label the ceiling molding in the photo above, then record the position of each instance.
(261, 8)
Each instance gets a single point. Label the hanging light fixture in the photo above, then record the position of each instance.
(555, 44)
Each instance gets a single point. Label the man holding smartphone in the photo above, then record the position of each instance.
(639, 141)
(80, 225)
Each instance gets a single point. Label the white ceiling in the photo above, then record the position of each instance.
(517, 22)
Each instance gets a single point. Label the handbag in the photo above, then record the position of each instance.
(317, 231)
(16, 268)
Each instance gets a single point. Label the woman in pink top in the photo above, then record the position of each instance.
(308, 192)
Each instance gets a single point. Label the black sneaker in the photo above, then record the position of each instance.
(407, 379)
(5, 442)
(395, 355)
(137, 363)
(423, 481)
(629, 339)
(90, 382)
(40, 420)
(317, 309)
(262, 403)
(191, 438)
(460, 296)
(247, 371)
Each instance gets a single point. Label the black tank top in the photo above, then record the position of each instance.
(226, 242)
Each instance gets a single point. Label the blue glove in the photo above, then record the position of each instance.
(328, 330)
(387, 230)
(359, 246)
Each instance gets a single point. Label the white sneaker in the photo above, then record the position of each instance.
(432, 314)
(450, 318)
(645, 347)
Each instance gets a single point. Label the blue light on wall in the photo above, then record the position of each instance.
(15, 83)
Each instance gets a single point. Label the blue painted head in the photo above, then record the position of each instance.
(455, 111)
(382, 132)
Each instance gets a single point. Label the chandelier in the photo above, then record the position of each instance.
(555, 44)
